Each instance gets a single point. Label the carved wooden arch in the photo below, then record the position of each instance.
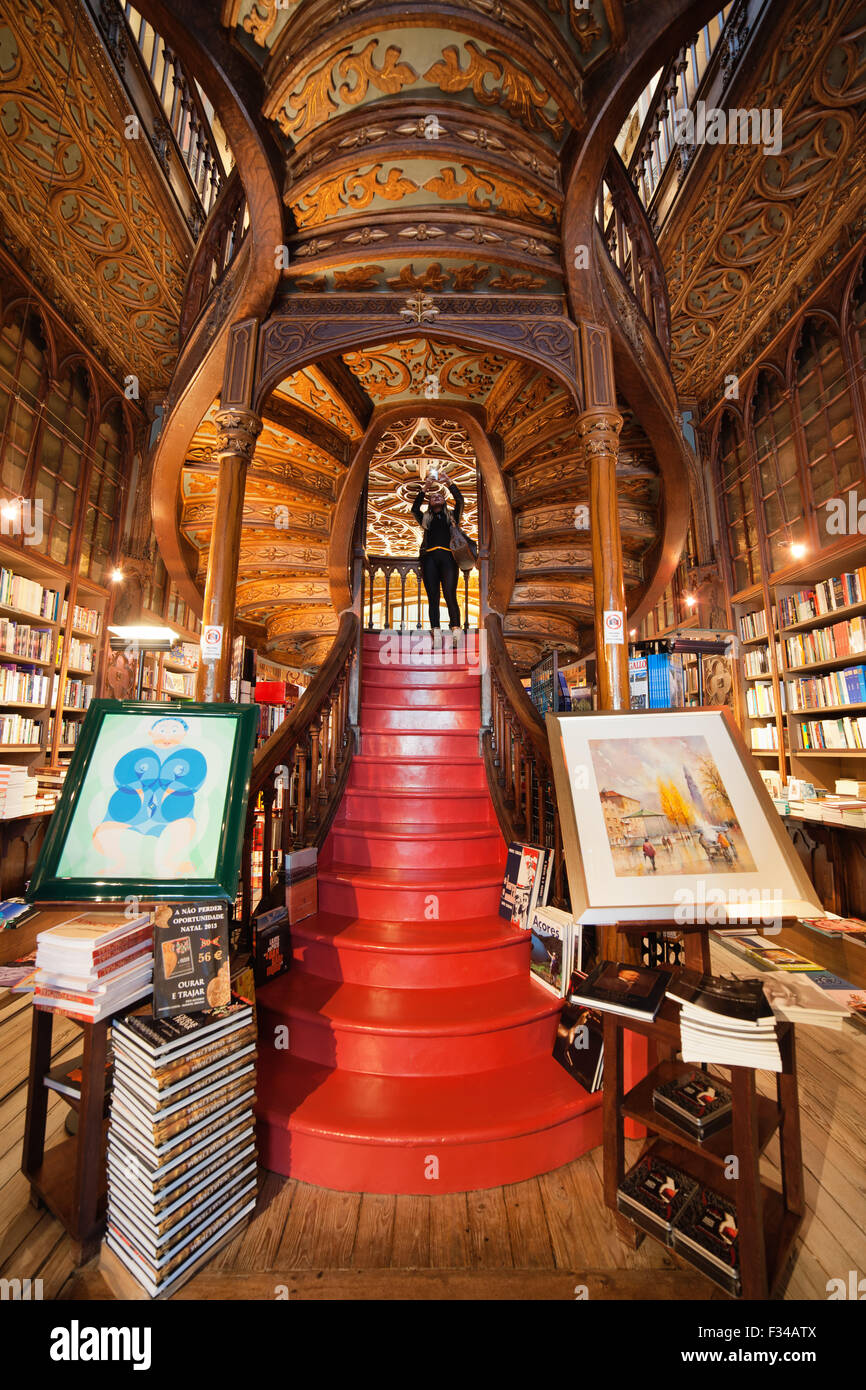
(798, 329)
(550, 344)
(738, 416)
(503, 542)
(27, 305)
(853, 282)
(750, 396)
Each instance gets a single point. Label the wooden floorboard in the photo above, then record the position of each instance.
(538, 1239)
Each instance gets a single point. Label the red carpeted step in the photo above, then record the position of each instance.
(420, 677)
(362, 805)
(437, 743)
(393, 846)
(410, 895)
(419, 1032)
(375, 771)
(357, 1132)
(424, 721)
(410, 955)
(466, 695)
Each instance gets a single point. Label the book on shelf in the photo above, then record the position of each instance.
(851, 997)
(27, 595)
(706, 1234)
(798, 1000)
(630, 990)
(758, 948)
(553, 934)
(579, 1045)
(19, 975)
(526, 884)
(12, 910)
(654, 1193)
(272, 944)
(842, 591)
(695, 1101)
(753, 625)
(834, 926)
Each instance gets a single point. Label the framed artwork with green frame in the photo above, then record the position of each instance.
(153, 806)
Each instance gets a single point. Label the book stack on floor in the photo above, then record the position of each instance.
(94, 965)
(725, 1021)
(17, 792)
(181, 1141)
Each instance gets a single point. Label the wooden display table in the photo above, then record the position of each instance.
(767, 1220)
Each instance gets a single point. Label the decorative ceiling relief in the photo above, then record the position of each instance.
(108, 244)
(308, 94)
(756, 222)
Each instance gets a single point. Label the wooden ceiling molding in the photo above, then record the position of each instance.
(752, 226)
(87, 208)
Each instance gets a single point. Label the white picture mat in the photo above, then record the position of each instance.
(613, 898)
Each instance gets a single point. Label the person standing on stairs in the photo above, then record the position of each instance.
(438, 566)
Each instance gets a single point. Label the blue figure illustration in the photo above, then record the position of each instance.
(155, 791)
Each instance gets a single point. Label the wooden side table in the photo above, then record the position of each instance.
(70, 1179)
(767, 1220)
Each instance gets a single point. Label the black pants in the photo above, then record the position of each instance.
(440, 567)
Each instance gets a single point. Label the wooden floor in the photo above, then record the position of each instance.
(536, 1239)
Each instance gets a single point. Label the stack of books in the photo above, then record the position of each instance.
(181, 1140)
(17, 792)
(93, 965)
(725, 1021)
(799, 1000)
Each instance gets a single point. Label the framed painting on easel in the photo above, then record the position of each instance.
(665, 818)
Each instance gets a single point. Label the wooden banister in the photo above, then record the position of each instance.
(300, 773)
(631, 246)
(517, 759)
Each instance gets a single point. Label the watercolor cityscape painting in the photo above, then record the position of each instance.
(666, 808)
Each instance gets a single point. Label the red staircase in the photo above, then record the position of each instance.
(418, 1057)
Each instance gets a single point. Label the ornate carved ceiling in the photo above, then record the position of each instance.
(85, 206)
(752, 225)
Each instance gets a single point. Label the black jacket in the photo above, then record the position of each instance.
(437, 532)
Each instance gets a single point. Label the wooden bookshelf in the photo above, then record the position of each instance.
(65, 629)
(759, 650)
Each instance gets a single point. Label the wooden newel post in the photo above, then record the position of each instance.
(236, 437)
(598, 430)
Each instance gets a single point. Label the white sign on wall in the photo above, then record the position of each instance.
(614, 628)
(211, 642)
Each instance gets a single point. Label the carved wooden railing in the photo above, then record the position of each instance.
(299, 775)
(517, 758)
(398, 571)
(631, 245)
(218, 245)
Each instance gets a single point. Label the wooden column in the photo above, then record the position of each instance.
(236, 436)
(599, 435)
(598, 430)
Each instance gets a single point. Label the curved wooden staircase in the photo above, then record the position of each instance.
(419, 1056)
